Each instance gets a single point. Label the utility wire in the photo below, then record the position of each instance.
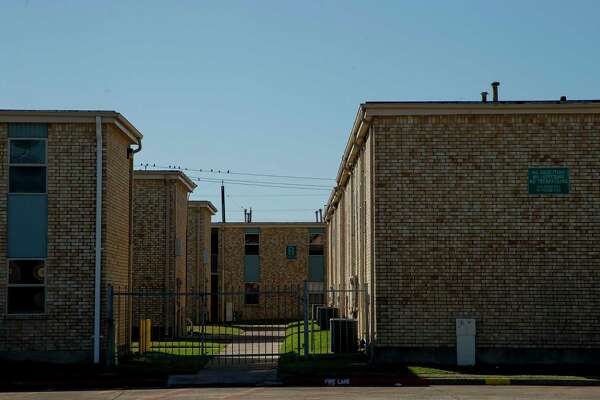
(266, 185)
(229, 172)
(262, 182)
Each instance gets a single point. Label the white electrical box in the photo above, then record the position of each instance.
(465, 341)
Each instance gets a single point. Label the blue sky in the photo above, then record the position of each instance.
(272, 87)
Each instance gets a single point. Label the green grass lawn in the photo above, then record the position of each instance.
(349, 365)
(319, 340)
(555, 372)
(181, 348)
(216, 330)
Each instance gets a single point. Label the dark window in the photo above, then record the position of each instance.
(27, 151)
(315, 247)
(27, 180)
(252, 245)
(252, 293)
(291, 252)
(214, 240)
(26, 287)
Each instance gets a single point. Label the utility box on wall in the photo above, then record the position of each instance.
(465, 341)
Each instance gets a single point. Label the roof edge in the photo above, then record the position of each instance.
(73, 116)
(203, 204)
(165, 175)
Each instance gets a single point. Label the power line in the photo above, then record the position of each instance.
(283, 209)
(262, 182)
(276, 195)
(229, 172)
(266, 185)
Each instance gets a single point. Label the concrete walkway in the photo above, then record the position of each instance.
(250, 360)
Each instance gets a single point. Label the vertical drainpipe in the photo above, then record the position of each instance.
(98, 261)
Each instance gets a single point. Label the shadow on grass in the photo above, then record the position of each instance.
(357, 365)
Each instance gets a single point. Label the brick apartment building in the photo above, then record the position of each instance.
(65, 185)
(476, 213)
(198, 253)
(159, 247)
(254, 258)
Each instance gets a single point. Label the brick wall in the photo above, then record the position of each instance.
(65, 332)
(458, 235)
(160, 221)
(180, 231)
(350, 238)
(116, 269)
(277, 273)
(198, 244)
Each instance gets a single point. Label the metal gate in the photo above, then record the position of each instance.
(247, 327)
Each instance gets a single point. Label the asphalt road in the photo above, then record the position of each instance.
(424, 393)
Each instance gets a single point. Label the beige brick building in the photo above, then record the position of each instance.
(63, 241)
(253, 259)
(159, 247)
(480, 211)
(198, 254)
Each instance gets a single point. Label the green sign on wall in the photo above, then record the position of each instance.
(548, 181)
(291, 252)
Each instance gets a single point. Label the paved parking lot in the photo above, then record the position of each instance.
(424, 393)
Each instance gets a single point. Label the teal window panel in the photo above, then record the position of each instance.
(27, 226)
(316, 231)
(252, 268)
(27, 151)
(291, 252)
(252, 230)
(27, 130)
(316, 268)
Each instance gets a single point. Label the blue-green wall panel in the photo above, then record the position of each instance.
(316, 268)
(27, 130)
(27, 226)
(251, 268)
(315, 231)
(252, 230)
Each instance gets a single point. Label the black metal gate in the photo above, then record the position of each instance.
(247, 327)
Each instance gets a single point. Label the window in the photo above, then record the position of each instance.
(291, 252)
(26, 287)
(27, 166)
(252, 245)
(315, 247)
(178, 251)
(251, 293)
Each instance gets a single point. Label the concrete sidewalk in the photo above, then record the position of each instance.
(248, 362)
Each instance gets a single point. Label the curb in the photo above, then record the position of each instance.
(431, 381)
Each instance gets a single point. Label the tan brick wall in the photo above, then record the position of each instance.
(68, 323)
(350, 232)
(198, 245)
(116, 269)
(277, 273)
(181, 208)
(458, 235)
(160, 220)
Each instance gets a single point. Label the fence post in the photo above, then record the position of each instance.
(300, 299)
(203, 326)
(110, 358)
(306, 327)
